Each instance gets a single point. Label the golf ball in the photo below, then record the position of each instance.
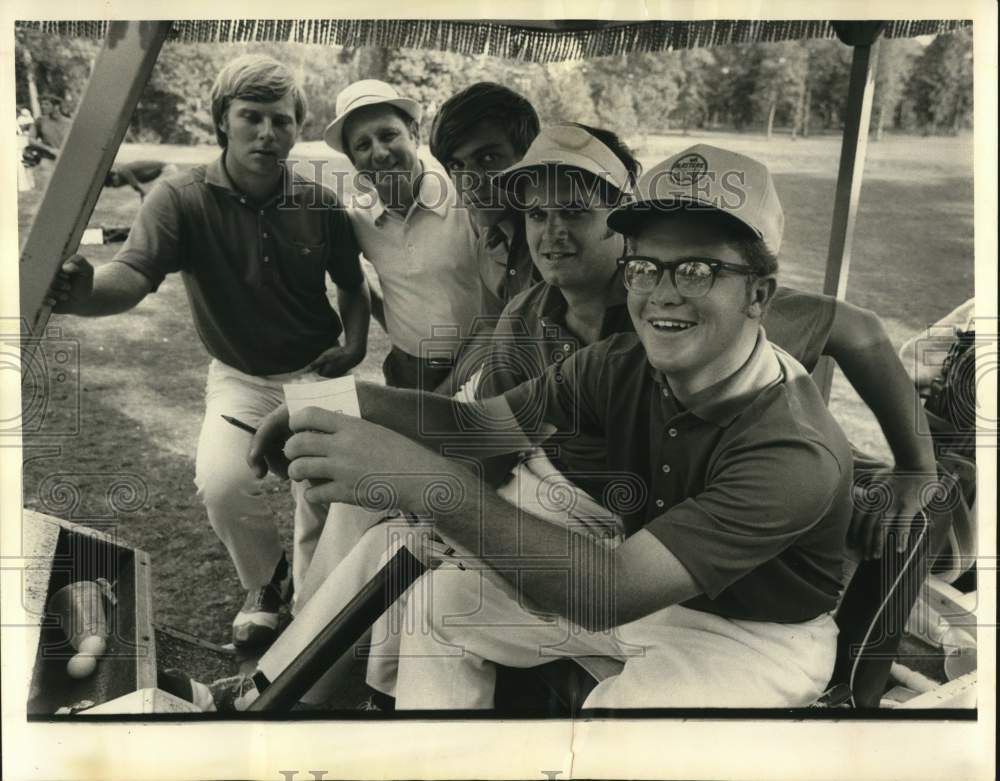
(95, 645)
(81, 665)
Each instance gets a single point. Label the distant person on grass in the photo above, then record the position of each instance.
(50, 129)
(138, 173)
(253, 244)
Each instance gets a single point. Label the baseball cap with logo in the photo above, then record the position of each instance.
(569, 146)
(710, 177)
(368, 92)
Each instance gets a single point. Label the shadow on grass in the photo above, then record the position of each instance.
(123, 483)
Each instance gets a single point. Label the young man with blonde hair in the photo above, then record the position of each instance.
(252, 243)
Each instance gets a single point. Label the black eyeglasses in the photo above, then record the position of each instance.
(693, 277)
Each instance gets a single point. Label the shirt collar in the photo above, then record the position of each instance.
(434, 195)
(553, 306)
(217, 176)
(722, 402)
(508, 226)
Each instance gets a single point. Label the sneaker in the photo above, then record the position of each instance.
(257, 622)
(378, 702)
(234, 694)
(183, 686)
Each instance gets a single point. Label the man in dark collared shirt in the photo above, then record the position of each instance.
(253, 244)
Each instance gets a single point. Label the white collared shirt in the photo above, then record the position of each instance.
(426, 263)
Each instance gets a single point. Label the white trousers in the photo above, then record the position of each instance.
(232, 496)
(317, 606)
(460, 623)
(437, 646)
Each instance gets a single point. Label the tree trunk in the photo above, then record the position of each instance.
(879, 123)
(29, 74)
(799, 109)
(806, 111)
(770, 117)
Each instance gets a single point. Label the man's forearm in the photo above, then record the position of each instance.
(883, 384)
(556, 569)
(378, 309)
(439, 422)
(117, 288)
(355, 312)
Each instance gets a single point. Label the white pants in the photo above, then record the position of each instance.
(231, 494)
(345, 525)
(674, 658)
(318, 605)
(355, 543)
(437, 646)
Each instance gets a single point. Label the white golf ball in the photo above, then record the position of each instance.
(81, 666)
(95, 645)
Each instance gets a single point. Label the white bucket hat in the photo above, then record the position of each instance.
(368, 92)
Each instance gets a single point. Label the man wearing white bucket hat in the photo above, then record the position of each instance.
(411, 228)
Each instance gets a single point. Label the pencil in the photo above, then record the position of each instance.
(239, 424)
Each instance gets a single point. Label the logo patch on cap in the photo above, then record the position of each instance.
(688, 169)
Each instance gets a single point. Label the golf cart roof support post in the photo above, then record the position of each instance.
(863, 36)
(120, 73)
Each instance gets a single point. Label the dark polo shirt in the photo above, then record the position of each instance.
(800, 323)
(749, 485)
(254, 273)
(530, 336)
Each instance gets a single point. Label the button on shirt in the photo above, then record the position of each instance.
(756, 500)
(425, 261)
(254, 273)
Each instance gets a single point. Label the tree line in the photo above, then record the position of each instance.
(792, 87)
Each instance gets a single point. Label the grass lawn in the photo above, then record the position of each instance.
(141, 374)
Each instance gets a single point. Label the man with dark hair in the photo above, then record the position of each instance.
(252, 243)
(477, 133)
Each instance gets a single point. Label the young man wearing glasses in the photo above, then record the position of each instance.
(721, 592)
